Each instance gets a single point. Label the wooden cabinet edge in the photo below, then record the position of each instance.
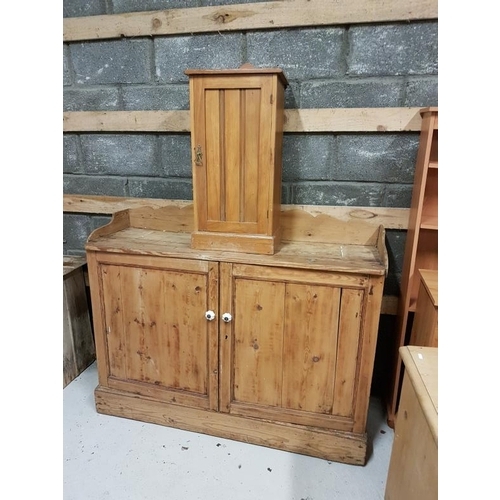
(311, 441)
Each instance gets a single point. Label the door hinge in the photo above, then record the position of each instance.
(271, 99)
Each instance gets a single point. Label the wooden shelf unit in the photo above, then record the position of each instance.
(425, 324)
(421, 250)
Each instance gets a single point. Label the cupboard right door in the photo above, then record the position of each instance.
(292, 350)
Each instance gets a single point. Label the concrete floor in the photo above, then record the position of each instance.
(111, 458)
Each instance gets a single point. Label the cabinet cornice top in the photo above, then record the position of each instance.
(246, 69)
(429, 110)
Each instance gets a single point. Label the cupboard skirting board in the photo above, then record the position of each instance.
(334, 445)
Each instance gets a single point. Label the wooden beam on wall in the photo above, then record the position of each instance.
(390, 218)
(249, 16)
(353, 120)
(296, 120)
(126, 121)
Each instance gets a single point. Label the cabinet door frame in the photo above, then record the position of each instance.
(96, 260)
(354, 420)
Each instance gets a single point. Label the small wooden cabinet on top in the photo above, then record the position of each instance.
(204, 322)
(236, 134)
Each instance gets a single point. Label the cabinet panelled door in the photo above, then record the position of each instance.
(158, 341)
(293, 345)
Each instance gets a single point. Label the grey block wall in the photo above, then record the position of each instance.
(379, 65)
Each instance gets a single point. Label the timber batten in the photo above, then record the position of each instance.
(295, 120)
(242, 17)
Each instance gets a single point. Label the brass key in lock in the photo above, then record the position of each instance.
(198, 156)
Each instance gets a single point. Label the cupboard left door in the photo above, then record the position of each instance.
(153, 337)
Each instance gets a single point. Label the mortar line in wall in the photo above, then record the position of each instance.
(121, 100)
(108, 5)
(384, 194)
(79, 151)
(159, 154)
(244, 49)
(71, 68)
(335, 159)
(403, 91)
(359, 78)
(291, 192)
(346, 47)
(153, 77)
(285, 189)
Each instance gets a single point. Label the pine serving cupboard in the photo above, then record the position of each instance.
(275, 350)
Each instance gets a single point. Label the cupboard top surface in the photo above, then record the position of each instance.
(309, 242)
(240, 71)
(319, 256)
(432, 109)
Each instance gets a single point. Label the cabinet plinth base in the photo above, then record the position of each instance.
(260, 244)
(345, 447)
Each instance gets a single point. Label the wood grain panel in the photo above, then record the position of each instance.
(251, 121)
(213, 336)
(310, 346)
(347, 361)
(291, 416)
(152, 261)
(156, 329)
(98, 316)
(266, 157)
(226, 339)
(198, 142)
(299, 276)
(213, 153)
(258, 341)
(151, 327)
(184, 304)
(277, 186)
(232, 161)
(132, 321)
(369, 333)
